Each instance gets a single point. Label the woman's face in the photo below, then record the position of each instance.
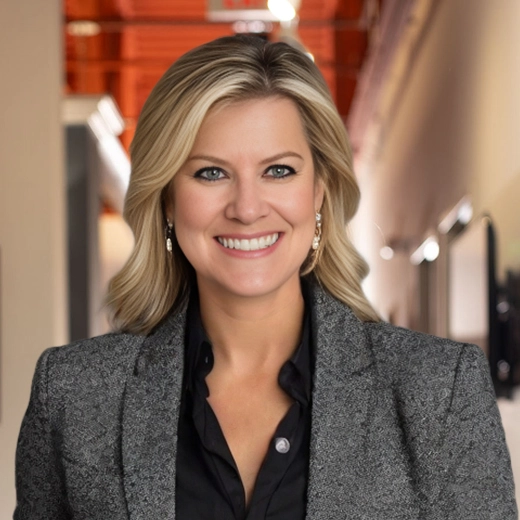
(244, 202)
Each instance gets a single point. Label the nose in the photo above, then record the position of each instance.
(247, 202)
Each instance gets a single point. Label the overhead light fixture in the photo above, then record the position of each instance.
(252, 27)
(83, 28)
(459, 216)
(428, 250)
(431, 251)
(465, 213)
(284, 10)
(386, 253)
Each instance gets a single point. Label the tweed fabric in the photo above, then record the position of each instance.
(404, 426)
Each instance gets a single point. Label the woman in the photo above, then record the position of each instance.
(251, 377)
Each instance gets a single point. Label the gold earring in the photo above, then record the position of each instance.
(317, 232)
(169, 234)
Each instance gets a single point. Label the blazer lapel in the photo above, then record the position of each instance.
(150, 420)
(342, 399)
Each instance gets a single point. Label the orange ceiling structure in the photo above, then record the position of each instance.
(139, 39)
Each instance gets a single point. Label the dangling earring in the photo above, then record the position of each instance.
(315, 253)
(317, 232)
(169, 233)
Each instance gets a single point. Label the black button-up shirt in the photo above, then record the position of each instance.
(208, 483)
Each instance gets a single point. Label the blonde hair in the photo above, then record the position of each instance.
(230, 69)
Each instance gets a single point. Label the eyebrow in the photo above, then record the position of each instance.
(268, 160)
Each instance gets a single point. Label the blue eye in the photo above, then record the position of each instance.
(279, 171)
(210, 174)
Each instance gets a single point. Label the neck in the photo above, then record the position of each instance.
(250, 335)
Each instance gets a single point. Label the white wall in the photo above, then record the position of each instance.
(455, 130)
(32, 217)
(495, 180)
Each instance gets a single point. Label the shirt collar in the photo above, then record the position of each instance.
(295, 375)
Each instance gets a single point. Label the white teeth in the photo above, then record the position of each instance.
(249, 245)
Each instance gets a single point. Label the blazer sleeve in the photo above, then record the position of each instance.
(479, 481)
(40, 485)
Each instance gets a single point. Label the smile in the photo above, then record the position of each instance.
(249, 245)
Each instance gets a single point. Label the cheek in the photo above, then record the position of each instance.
(186, 221)
(192, 210)
(301, 206)
(298, 211)
(194, 214)
(184, 215)
(186, 225)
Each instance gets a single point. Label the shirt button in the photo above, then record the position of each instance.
(282, 445)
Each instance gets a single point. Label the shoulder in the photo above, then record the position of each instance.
(411, 349)
(429, 375)
(96, 362)
(412, 363)
(109, 349)
(414, 353)
(398, 352)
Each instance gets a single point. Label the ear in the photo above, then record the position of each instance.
(319, 192)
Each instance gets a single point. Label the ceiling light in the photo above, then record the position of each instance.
(386, 253)
(465, 213)
(83, 28)
(283, 9)
(460, 215)
(429, 250)
(252, 27)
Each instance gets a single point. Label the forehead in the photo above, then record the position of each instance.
(265, 122)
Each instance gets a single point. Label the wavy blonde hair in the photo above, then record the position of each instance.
(226, 70)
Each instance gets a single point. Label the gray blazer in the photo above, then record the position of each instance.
(404, 426)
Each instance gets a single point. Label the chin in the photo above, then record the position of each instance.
(250, 286)
(252, 289)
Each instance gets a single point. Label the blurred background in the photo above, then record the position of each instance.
(428, 90)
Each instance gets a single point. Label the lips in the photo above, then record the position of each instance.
(253, 244)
